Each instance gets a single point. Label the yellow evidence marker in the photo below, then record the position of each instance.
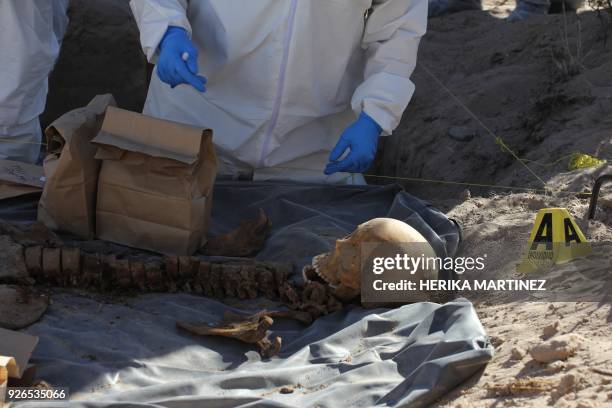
(555, 239)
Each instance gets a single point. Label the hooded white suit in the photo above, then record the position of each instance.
(31, 32)
(285, 77)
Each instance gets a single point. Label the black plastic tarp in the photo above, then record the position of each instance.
(130, 353)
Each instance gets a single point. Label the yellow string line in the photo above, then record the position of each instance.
(456, 183)
(459, 183)
(497, 139)
(550, 164)
(423, 180)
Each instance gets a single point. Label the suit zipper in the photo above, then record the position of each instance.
(281, 83)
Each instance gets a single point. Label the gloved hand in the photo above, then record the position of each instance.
(171, 67)
(361, 138)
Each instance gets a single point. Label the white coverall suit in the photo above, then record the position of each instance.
(285, 77)
(31, 33)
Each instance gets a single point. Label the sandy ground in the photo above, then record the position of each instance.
(512, 78)
(499, 227)
(543, 86)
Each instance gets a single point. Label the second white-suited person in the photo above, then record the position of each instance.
(31, 33)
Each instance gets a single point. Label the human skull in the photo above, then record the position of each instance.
(341, 268)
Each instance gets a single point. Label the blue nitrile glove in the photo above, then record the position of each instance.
(171, 67)
(361, 138)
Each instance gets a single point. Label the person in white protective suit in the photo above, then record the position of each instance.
(31, 32)
(287, 81)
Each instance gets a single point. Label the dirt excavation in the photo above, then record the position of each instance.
(502, 117)
(544, 87)
(540, 87)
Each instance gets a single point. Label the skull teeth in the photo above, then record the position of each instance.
(316, 267)
(312, 272)
(320, 275)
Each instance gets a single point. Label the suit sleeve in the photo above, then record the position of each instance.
(154, 17)
(391, 40)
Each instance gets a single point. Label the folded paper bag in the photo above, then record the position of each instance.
(156, 182)
(68, 202)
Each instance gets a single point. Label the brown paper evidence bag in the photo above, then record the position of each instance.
(154, 183)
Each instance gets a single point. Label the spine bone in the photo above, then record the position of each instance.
(249, 279)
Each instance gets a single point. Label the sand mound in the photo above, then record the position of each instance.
(517, 80)
(522, 82)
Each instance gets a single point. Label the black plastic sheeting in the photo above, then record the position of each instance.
(307, 219)
(131, 354)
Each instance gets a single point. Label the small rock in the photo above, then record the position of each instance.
(287, 390)
(556, 366)
(561, 402)
(550, 330)
(461, 133)
(12, 260)
(570, 366)
(610, 395)
(465, 195)
(558, 348)
(535, 203)
(517, 353)
(568, 383)
(496, 341)
(585, 404)
(19, 307)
